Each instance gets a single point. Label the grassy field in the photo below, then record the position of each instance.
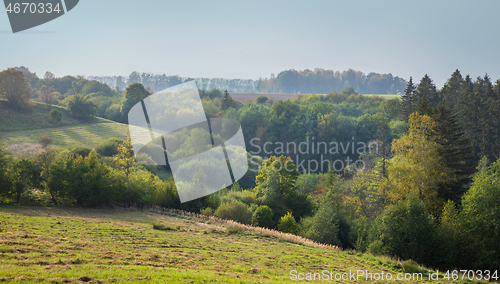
(61, 245)
(26, 126)
(37, 117)
(385, 96)
(88, 134)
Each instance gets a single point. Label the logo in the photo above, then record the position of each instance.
(26, 14)
(171, 128)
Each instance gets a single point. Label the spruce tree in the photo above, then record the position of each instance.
(450, 92)
(426, 88)
(226, 101)
(467, 113)
(424, 106)
(489, 115)
(456, 153)
(408, 102)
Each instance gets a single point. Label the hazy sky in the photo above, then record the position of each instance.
(252, 39)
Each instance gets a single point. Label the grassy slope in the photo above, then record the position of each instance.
(385, 96)
(17, 127)
(65, 245)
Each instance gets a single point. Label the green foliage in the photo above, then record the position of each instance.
(208, 211)
(329, 225)
(321, 81)
(307, 183)
(263, 217)
(134, 93)
(456, 153)
(276, 188)
(405, 230)
(236, 210)
(227, 101)
(212, 94)
(80, 151)
(25, 175)
(56, 115)
(417, 168)
(109, 147)
(287, 224)
(165, 194)
(408, 101)
(481, 218)
(5, 175)
(15, 89)
(261, 99)
(81, 107)
(84, 181)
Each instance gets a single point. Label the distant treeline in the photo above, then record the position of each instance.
(317, 81)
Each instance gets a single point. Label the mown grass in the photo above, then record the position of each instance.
(27, 126)
(89, 134)
(50, 245)
(35, 117)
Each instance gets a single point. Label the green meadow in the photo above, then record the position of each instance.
(72, 245)
(26, 126)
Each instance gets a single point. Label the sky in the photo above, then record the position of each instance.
(252, 39)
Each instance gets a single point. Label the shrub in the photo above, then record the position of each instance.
(262, 99)
(80, 151)
(287, 224)
(162, 227)
(5, 175)
(56, 115)
(263, 217)
(109, 147)
(236, 210)
(209, 211)
(406, 231)
(81, 107)
(44, 141)
(113, 113)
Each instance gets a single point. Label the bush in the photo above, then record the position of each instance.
(56, 115)
(113, 113)
(81, 107)
(262, 99)
(109, 147)
(287, 224)
(480, 219)
(263, 217)
(406, 231)
(329, 225)
(5, 175)
(80, 151)
(208, 211)
(236, 210)
(44, 141)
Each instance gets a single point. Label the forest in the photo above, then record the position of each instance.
(424, 186)
(319, 81)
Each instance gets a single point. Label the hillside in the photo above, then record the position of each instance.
(45, 245)
(26, 126)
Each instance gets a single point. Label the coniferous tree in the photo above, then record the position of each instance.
(450, 92)
(226, 101)
(468, 113)
(424, 106)
(489, 115)
(408, 101)
(426, 88)
(456, 153)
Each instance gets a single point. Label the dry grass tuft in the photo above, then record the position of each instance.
(233, 227)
